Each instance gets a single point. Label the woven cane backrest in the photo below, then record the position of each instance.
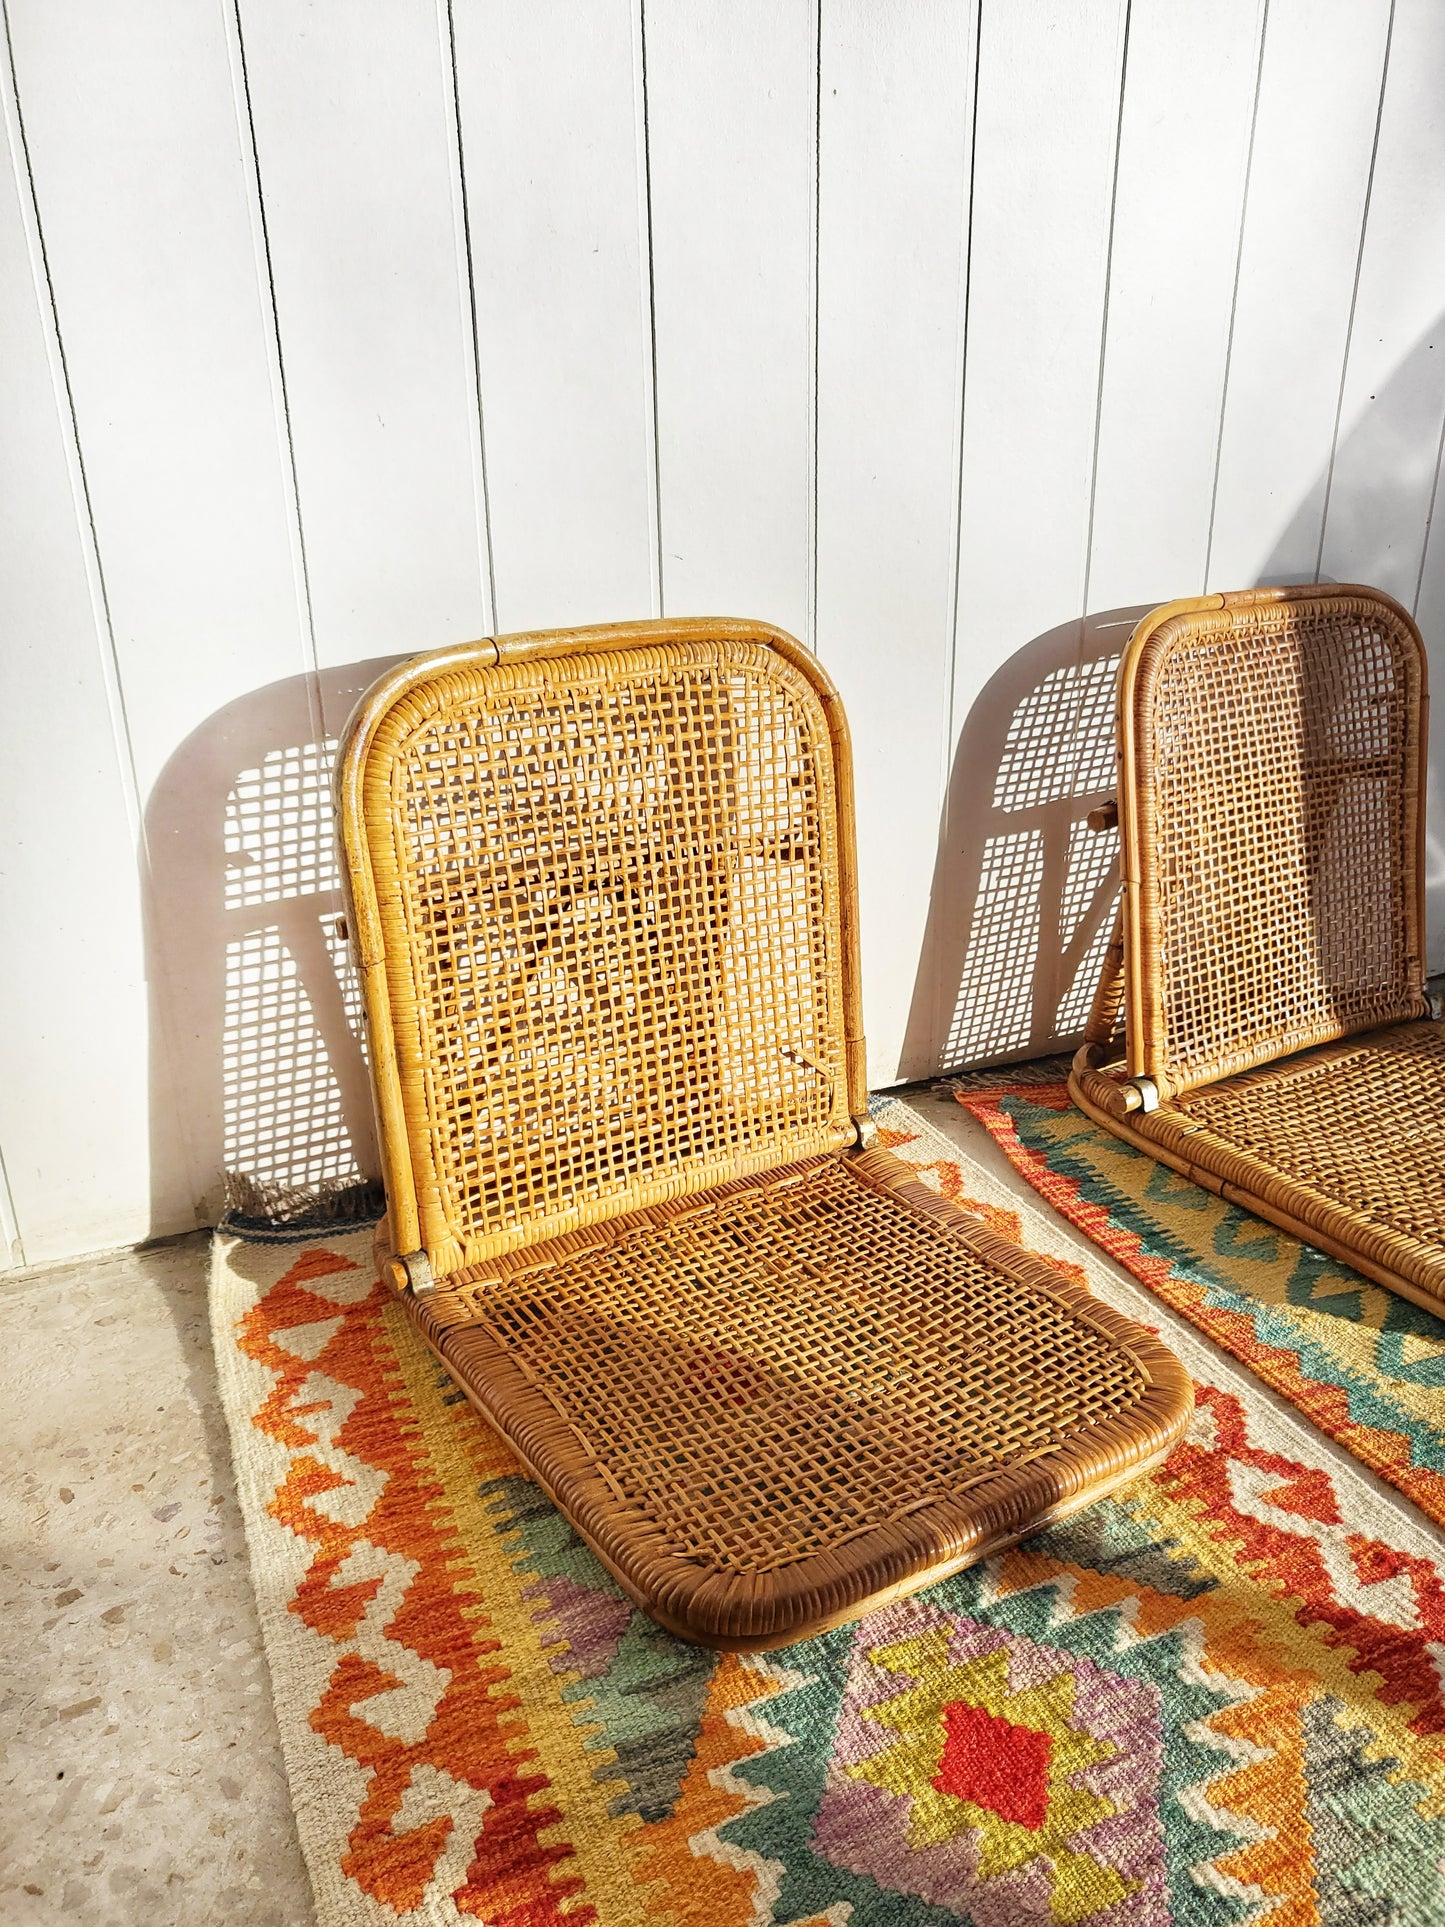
(608, 919)
(1270, 807)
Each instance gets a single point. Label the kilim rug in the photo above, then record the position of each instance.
(1214, 1697)
(1368, 1367)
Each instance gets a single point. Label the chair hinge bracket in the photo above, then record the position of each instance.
(867, 1132)
(1147, 1093)
(412, 1270)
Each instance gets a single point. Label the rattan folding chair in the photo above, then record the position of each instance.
(1280, 1045)
(603, 905)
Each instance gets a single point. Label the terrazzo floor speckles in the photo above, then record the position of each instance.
(140, 1770)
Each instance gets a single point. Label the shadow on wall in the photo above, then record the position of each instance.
(265, 1070)
(1023, 891)
(263, 1033)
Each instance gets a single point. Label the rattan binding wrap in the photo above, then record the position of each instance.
(604, 907)
(1270, 954)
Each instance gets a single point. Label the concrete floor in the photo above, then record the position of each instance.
(140, 1770)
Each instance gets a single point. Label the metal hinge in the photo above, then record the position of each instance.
(1148, 1094)
(867, 1132)
(412, 1271)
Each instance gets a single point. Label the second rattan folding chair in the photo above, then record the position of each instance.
(1281, 1045)
(603, 904)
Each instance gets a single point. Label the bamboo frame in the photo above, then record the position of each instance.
(770, 1378)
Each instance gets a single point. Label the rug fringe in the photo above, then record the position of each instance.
(271, 1213)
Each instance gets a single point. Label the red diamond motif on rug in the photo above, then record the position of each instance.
(995, 1764)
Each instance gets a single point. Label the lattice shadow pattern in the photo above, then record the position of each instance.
(286, 1141)
(1024, 891)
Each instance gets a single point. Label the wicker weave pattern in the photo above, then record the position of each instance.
(1270, 791)
(615, 884)
(780, 1366)
(1361, 1123)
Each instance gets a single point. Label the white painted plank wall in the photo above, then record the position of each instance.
(554, 149)
(1184, 143)
(1383, 518)
(1039, 235)
(353, 115)
(1045, 141)
(896, 111)
(141, 178)
(141, 185)
(943, 335)
(74, 1097)
(1393, 398)
(730, 118)
(1314, 140)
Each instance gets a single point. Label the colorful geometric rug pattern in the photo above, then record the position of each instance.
(1211, 1698)
(1367, 1367)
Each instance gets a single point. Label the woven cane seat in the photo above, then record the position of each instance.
(1270, 956)
(604, 910)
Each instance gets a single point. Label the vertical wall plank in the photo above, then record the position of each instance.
(1384, 481)
(74, 1103)
(351, 109)
(139, 142)
(1386, 475)
(1394, 393)
(1043, 173)
(896, 110)
(1430, 614)
(1183, 146)
(730, 106)
(550, 118)
(139, 174)
(1048, 106)
(1314, 140)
